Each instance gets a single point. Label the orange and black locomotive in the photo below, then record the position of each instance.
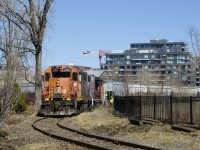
(67, 89)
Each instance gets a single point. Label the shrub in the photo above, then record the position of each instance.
(21, 105)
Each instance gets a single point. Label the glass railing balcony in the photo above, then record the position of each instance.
(157, 59)
(140, 59)
(172, 58)
(162, 68)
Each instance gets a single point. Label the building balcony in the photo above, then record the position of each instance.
(163, 69)
(140, 59)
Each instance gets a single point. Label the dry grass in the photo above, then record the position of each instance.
(3, 133)
(30, 111)
(98, 118)
(47, 146)
(5, 146)
(101, 121)
(13, 120)
(21, 136)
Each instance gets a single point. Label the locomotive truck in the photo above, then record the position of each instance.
(68, 90)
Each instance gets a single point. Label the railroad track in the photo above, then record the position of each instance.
(53, 128)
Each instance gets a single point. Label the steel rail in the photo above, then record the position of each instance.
(83, 144)
(115, 141)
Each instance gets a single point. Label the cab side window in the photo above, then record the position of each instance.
(75, 76)
(47, 76)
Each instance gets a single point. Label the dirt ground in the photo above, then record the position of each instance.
(16, 132)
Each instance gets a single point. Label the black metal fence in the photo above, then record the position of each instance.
(164, 108)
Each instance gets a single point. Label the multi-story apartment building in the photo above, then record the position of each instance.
(165, 59)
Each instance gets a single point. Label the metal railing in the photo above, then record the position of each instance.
(163, 108)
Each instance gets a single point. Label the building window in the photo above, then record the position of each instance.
(134, 72)
(170, 56)
(145, 56)
(163, 62)
(169, 67)
(169, 72)
(175, 67)
(169, 62)
(175, 77)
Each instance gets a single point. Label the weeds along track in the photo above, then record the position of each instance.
(53, 128)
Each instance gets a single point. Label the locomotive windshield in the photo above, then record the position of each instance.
(60, 74)
(65, 74)
(47, 76)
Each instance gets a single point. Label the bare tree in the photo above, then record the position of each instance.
(147, 78)
(127, 80)
(9, 46)
(31, 17)
(194, 35)
(111, 74)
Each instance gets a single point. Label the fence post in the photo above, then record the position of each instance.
(171, 116)
(114, 103)
(191, 113)
(140, 115)
(154, 108)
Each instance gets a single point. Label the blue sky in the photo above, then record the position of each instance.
(78, 25)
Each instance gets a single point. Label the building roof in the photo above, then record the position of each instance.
(96, 73)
